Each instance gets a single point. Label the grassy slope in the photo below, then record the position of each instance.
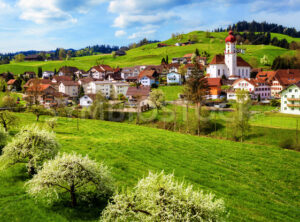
(150, 54)
(257, 183)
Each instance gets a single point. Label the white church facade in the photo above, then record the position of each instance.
(229, 65)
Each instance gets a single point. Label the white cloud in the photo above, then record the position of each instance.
(120, 33)
(43, 11)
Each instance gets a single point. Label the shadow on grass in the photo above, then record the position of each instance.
(84, 211)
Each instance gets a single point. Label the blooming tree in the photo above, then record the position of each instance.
(159, 197)
(72, 174)
(31, 146)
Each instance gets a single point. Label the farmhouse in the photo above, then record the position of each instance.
(290, 99)
(34, 58)
(231, 66)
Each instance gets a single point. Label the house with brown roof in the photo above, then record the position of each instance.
(214, 88)
(33, 58)
(100, 72)
(256, 87)
(69, 88)
(67, 71)
(138, 95)
(12, 85)
(44, 94)
(280, 79)
(148, 77)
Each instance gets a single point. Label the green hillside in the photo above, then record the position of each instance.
(151, 55)
(257, 183)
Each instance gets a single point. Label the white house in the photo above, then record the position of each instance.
(148, 77)
(229, 65)
(290, 99)
(107, 88)
(85, 101)
(69, 88)
(101, 71)
(120, 88)
(147, 80)
(174, 79)
(48, 74)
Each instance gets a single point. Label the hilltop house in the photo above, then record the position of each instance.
(231, 66)
(290, 99)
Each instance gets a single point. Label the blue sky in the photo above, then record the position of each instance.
(49, 24)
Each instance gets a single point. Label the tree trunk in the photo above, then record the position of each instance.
(5, 126)
(73, 196)
(198, 120)
(37, 117)
(187, 117)
(31, 171)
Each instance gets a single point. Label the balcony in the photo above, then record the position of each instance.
(294, 99)
(294, 105)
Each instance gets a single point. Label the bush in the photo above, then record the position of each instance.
(275, 103)
(52, 123)
(159, 197)
(289, 143)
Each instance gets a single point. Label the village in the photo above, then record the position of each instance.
(225, 75)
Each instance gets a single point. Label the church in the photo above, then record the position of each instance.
(229, 65)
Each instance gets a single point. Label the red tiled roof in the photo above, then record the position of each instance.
(220, 59)
(188, 55)
(287, 76)
(69, 83)
(251, 81)
(138, 91)
(11, 82)
(86, 80)
(103, 68)
(214, 82)
(38, 88)
(37, 81)
(146, 72)
(62, 78)
(265, 75)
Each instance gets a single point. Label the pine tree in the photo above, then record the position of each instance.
(40, 72)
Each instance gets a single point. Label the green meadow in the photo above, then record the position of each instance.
(151, 55)
(257, 183)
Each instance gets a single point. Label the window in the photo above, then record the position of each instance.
(296, 90)
(285, 108)
(290, 90)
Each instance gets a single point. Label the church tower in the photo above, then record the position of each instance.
(231, 55)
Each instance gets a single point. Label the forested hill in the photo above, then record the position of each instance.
(254, 26)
